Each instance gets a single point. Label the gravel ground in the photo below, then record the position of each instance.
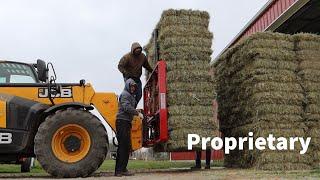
(185, 174)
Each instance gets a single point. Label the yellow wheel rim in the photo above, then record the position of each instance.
(71, 143)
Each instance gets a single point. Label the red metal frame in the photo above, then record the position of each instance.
(190, 155)
(155, 106)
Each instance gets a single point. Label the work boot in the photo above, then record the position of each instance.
(207, 167)
(118, 174)
(196, 167)
(127, 173)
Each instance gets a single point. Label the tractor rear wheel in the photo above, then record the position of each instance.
(71, 143)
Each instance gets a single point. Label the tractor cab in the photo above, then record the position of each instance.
(16, 72)
(22, 74)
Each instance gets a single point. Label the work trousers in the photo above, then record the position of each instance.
(208, 157)
(123, 129)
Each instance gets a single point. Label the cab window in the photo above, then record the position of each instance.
(16, 73)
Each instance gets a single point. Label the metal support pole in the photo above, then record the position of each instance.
(156, 47)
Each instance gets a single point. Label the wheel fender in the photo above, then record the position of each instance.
(116, 144)
(67, 105)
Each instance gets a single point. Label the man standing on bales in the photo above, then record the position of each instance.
(130, 65)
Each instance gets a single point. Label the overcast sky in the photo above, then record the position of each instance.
(85, 39)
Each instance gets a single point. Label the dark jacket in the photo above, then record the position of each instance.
(127, 103)
(131, 66)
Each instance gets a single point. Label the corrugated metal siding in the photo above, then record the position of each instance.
(267, 17)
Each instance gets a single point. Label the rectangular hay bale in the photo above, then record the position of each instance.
(185, 44)
(268, 83)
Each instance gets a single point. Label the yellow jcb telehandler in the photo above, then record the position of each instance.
(54, 123)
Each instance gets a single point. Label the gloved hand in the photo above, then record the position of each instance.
(141, 115)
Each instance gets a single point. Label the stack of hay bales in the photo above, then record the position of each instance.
(259, 91)
(308, 53)
(184, 42)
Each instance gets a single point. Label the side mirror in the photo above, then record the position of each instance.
(42, 70)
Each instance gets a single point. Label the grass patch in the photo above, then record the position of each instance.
(140, 164)
(109, 165)
(316, 171)
(13, 171)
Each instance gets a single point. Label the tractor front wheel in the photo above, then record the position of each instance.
(71, 143)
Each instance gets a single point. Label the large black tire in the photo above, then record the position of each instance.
(26, 165)
(88, 164)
